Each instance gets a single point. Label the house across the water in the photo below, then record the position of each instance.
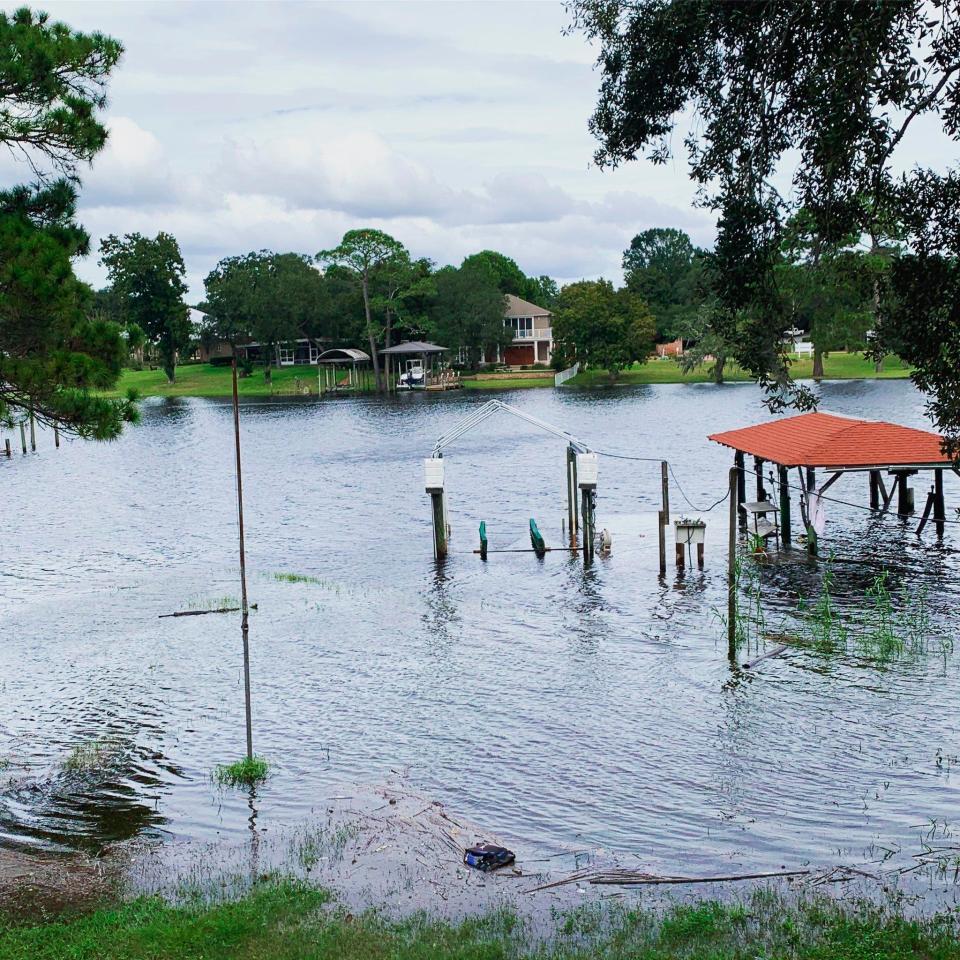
(532, 332)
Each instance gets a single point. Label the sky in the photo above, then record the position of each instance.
(454, 126)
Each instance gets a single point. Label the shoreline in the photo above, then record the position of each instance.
(202, 380)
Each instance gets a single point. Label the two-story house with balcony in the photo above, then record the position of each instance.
(532, 332)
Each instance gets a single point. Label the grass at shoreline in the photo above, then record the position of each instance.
(290, 921)
(202, 380)
(836, 366)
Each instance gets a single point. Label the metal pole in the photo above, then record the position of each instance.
(732, 571)
(245, 615)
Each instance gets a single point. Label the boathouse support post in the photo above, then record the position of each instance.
(784, 481)
(811, 485)
(758, 469)
(732, 568)
(905, 497)
(875, 489)
(434, 484)
(939, 507)
(571, 493)
(741, 485)
(576, 487)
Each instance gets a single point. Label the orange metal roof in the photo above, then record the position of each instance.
(828, 440)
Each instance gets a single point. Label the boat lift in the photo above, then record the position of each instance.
(581, 474)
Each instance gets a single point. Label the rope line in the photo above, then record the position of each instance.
(746, 472)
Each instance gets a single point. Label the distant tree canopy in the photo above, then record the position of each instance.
(467, 312)
(598, 326)
(663, 267)
(54, 351)
(146, 275)
(831, 89)
(509, 278)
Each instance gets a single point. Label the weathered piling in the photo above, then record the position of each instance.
(23, 437)
(732, 570)
(6, 447)
(783, 480)
(587, 471)
(434, 485)
(33, 432)
(662, 531)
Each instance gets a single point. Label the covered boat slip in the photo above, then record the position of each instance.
(837, 445)
(415, 365)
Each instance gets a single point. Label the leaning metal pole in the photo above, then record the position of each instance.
(245, 616)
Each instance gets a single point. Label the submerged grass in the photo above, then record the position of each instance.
(247, 772)
(297, 578)
(90, 756)
(283, 920)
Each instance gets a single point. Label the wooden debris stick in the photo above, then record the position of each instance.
(775, 652)
(626, 879)
(198, 613)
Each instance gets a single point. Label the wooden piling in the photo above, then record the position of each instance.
(784, 483)
(56, 437)
(6, 446)
(758, 470)
(586, 509)
(732, 569)
(811, 484)
(928, 507)
(576, 486)
(875, 482)
(23, 437)
(738, 462)
(571, 491)
(665, 492)
(939, 506)
(662, 531)
(681, 556)
(33, 432)
(483, 540)
(905, 501)
(439, 525)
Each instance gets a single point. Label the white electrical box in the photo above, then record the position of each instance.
(433, 473)
(587, 470)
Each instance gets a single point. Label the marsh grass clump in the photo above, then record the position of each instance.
(90, 756)
(297, 578)
(247, 772)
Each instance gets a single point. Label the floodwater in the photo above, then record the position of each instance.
(565, 708)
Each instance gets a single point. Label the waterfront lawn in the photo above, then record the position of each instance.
(290, 921)
(836, 366)
(204, 380)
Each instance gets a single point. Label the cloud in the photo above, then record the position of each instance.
(134, 170)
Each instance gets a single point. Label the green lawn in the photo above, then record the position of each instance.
(836, 366)
(289, 921)
(202, 380)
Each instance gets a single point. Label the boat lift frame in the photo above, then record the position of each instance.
(575, 448)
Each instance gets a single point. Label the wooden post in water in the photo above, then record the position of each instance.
(874, 489)
(23, 437)
(56, 437)
(783, 480)
(758, 469)
(571, 493)
(732, 570)
(741, 485)
(662, 530)
(576, 487)
(33, 432)
(665, 492)
(939, 506)
(6, 446)
(244, 610)
(434, 485)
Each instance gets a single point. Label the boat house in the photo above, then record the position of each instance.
(838, 446)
